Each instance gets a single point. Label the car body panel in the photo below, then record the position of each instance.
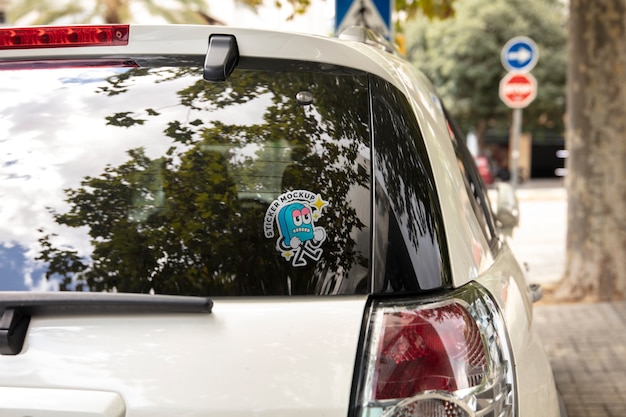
(506, 282)
(271, 356)
(46, 402)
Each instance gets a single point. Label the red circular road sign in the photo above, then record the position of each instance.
(518, 90)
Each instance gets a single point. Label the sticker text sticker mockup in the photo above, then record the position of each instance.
(294, 213)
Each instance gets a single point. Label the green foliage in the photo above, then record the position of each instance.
(107, 11)
(298, 6)
(119, 11)
(441, 9)
(461, 55)
(189, 11)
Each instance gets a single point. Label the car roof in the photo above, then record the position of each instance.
(163, 40)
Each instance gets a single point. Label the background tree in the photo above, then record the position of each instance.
(106, 11)
(189, 11)
(119, 11)
(596, 125)
(461, 55)
(431, 8)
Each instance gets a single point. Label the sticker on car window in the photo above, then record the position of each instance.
(294, 214)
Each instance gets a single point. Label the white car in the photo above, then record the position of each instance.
(215, 221)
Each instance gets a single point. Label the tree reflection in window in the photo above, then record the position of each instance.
(190, 221)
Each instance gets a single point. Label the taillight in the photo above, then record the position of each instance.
(443, 358)
(63, 36)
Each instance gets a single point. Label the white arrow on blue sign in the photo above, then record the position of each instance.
(520, 54)
(374, 14)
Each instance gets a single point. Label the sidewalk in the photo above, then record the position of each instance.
(586, 344)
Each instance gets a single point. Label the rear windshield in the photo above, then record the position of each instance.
(152, 180)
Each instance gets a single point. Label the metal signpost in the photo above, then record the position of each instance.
(373, 14)
(518, 89)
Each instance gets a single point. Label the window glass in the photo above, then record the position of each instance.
(411, 253)
(474, 186)
(154, 180)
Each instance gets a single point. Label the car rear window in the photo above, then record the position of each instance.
(152, 180)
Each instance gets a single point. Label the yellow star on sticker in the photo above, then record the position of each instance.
(287, 255)
(319, 203)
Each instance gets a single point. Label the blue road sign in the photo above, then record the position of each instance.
(520, 54)
(374, 14)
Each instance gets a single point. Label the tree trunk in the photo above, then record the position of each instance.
(596, 138)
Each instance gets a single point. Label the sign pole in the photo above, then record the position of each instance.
(515, 139)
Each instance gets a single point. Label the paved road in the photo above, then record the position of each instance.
(586, 343)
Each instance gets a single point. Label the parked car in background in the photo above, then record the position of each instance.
(210, 221)
(484, 169)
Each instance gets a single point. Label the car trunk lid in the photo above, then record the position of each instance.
(261, 356)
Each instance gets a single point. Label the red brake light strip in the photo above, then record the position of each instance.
(63, 36)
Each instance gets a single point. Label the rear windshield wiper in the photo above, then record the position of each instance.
(17, 307)
(102, 302)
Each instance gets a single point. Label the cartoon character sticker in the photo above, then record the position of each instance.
(295, 213)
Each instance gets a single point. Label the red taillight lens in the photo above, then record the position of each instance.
(437, 348)
(63, 36)
(436, 357)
